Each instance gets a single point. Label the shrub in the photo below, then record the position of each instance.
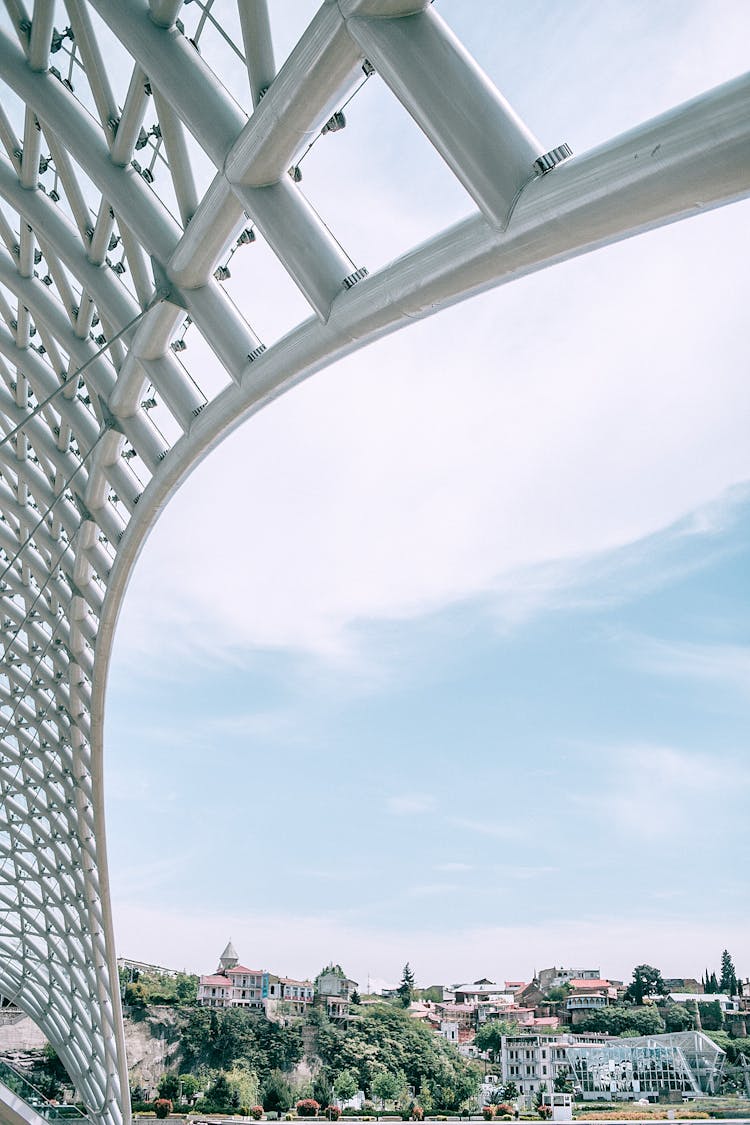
(545, 1112)
(308, 1107)
(504, 1109)
(332, 1112)
(417, 1113)
(162, 1107)
(368, 1109)
(488, 1112)
(256, 1112)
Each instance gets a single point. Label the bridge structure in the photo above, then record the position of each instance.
(129, 177)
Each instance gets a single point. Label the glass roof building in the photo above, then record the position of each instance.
(686, 1062)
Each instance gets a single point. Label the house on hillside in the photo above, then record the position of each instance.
(335, 990)
(287, 995)
(233, 985)
(586, 996)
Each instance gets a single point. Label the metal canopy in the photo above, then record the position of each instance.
(128, 177)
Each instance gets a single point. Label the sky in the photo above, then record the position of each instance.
(444, 657)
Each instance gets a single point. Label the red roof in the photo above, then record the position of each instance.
(244, 969)
(588, 984)
(216, 982)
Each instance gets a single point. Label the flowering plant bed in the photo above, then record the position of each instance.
(308, 1107)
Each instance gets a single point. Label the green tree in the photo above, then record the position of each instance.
(490, 1035)
(677, 1017)
(619, 1019)
(169, 1087)
(385, 1038)
(244, 1082)
(322, 1087)
(728, 981)
(647, 1021)
(345, 1085)
(647, 981)
(220, 1092)
(711, 1015)
(510, 1092)
(190, 1086)
(406, 988)
(278, 1095)
(387, 1086)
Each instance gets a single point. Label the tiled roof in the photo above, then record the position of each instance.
(244, 969)
(216, 982)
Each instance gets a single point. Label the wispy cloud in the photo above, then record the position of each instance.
(501, 830)
(525, 871)
(652, 792)
(453, 867)
(724, 664)
(411, 804)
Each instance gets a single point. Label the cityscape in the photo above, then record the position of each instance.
(250, 1042)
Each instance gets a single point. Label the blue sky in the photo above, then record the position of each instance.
(445, 656)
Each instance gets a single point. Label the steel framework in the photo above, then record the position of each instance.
(102, 269)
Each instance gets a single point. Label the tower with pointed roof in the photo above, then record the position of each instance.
(228, 958)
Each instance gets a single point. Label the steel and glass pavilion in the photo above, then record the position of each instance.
(109, 251)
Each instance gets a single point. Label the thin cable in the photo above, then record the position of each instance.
(66, 484)
(40, 406)
(22, 625)
(34, 670)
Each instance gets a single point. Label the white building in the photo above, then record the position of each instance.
(291, 995)
(556, 978)
(533, 1062)
(726, 1003)
(233, 985)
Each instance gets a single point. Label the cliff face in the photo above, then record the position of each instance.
(19, 1038)
(151, 1045)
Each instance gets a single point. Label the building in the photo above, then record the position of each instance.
(335, 990)
(289, 995)
(482, 992)
(682, 984)
(685, 1063)
(726, 1003)
(533, 1062)
(233, 985)
(657, 1067)
(556, 978)
(586, 995)
(449, 1030)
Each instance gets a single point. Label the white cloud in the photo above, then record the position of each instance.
(653, 792)
(502, 830)
(410, 804)
(381, 490)
(723, 664)
(566, 415)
